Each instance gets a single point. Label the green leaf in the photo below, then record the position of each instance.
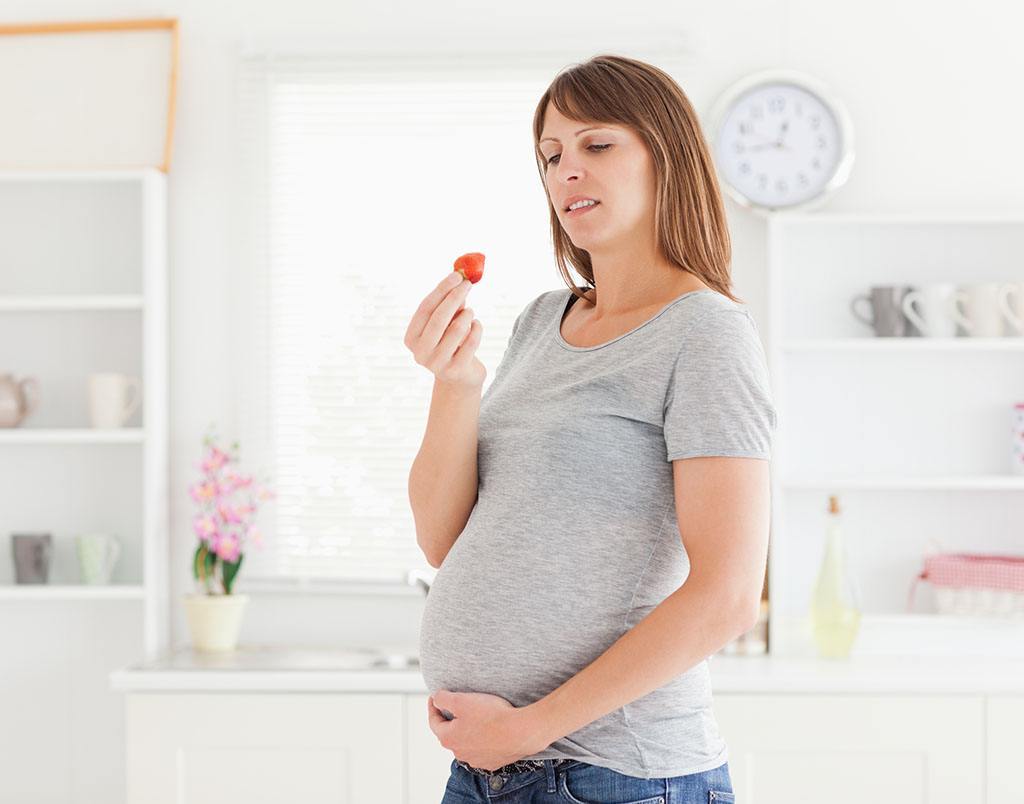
(198, 561)
(211, 564)
(230, 571)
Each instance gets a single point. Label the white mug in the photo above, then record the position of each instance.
(1013, 311)
(935, 319)
(107, 406)
(980, 316)
(97, 556)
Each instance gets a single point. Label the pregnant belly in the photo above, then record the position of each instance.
(510, 634)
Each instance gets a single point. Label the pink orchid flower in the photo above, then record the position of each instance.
(228, 514)
(229, 547)
(205, 526)
(215, 460)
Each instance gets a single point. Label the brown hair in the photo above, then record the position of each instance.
(690, 225)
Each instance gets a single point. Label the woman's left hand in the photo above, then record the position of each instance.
(487, 731)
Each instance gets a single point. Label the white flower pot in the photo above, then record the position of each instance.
(215, 620)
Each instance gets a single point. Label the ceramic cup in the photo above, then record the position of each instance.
(930, 308)
(109, 405)
(1011, 305)
(33, 554)
(976, 309)
(884, 311)
(97, 556)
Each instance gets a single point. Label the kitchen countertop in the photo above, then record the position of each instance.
(297, 669)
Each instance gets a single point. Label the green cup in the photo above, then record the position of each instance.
(97, 556)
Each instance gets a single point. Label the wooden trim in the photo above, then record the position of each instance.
(81, 27)
(172, 97)
(155, 23)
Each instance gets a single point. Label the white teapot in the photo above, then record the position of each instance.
(15, 402)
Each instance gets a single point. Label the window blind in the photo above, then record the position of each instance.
(359, 181)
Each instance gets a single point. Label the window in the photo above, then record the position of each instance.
(359, 183)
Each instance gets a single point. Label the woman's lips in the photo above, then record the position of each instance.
(572, 213)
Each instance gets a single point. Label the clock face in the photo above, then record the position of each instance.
(778, 145)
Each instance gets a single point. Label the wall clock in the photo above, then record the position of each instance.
(781, 141)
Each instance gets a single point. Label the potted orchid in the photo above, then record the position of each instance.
(224, 525)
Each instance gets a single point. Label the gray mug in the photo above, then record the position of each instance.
(886, 304)
(33, 553)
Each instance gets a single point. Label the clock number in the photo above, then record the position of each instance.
(777, 105)
(815, 122)
(781, 186)
(756, 113)
(744, 167)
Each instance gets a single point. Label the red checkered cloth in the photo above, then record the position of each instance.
(974, 570)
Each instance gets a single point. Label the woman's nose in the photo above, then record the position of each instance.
(565, 169)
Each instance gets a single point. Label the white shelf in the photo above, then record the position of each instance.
(91, 243)
(894, 218)
(911, 634)
(935, 419)
(119, 174)
(908, 482)
(912, 345)
(72, 435)
(45, 303)
(70, 592)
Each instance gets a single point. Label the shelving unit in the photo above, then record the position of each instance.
(912, 433)
(83, 290)
(73, 592)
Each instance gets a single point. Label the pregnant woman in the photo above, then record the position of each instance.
(600, 516)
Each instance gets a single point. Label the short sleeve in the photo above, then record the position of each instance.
(719, 399)
(515, 326)
(508, 353)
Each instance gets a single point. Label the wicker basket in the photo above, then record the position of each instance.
(974, 584)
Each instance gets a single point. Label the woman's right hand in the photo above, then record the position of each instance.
(443, 335)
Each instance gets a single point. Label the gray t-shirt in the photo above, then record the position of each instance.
(573, 538)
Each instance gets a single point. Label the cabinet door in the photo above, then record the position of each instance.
(1005, 741)
(429, 763)
(241, 748)
(848, 749)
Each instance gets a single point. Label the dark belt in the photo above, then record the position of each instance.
(518, 766)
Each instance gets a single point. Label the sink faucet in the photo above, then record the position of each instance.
(422, 577)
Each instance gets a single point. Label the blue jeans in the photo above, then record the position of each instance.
(573, 782)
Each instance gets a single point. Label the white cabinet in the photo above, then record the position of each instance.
(784, 748)
(429, 763)
(1005, 717)
(217, 748)
(805, 749)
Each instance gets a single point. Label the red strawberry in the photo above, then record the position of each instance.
(471, 266)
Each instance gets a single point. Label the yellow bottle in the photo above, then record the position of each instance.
(835, 607)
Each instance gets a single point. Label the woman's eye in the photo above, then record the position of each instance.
(551, 161)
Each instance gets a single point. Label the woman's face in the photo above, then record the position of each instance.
(609, 163)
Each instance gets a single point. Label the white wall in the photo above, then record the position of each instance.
(930, 87)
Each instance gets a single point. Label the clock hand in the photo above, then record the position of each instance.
(782, 134)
